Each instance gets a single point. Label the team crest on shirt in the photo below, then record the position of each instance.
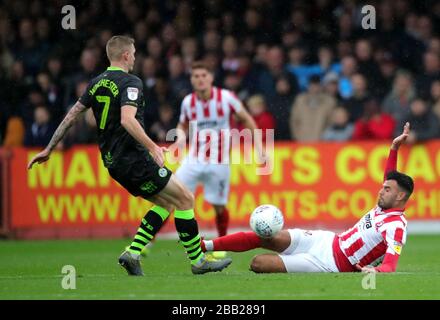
(162, 172)
(132, 93)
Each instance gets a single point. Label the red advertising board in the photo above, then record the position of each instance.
(323, 185)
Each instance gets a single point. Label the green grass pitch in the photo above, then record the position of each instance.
(32, 270)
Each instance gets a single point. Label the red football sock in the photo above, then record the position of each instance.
(222, 222)
(237, 242)
(202, 245)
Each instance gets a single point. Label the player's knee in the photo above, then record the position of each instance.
(186, 199)
(163, 203)
(257, 264)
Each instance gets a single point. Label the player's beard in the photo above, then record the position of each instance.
(383, 205)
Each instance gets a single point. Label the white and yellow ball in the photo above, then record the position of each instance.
(266, 221)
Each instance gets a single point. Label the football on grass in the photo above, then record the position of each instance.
(266, 220)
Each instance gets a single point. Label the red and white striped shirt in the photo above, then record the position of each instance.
(211, 140)
(378, 234)
(378, 237)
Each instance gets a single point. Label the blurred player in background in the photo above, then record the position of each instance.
(210, 108)
(133, 159)
(377, 238)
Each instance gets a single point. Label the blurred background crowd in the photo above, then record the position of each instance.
(306, 68)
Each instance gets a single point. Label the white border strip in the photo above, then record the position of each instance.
(423, 226)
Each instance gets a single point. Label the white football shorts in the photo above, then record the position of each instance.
(213, 177)
(309, 251)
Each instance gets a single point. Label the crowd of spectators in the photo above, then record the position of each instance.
(305, 68)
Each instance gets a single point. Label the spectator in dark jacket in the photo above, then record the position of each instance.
(180, 85)
(431, 72)
(161, 127)
(355, 104)
(41, 130)
(424, 124)
(275, 69)
(435, 98)
(280, 107)
(368, 67)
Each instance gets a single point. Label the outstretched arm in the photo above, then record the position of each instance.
(392, 158)
(67, 122)
(389, 264)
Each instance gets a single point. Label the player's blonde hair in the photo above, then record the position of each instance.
(116, 46)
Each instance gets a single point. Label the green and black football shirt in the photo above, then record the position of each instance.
(106, 94)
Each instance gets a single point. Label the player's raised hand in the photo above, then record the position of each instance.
(400, 139)
(41, 157)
